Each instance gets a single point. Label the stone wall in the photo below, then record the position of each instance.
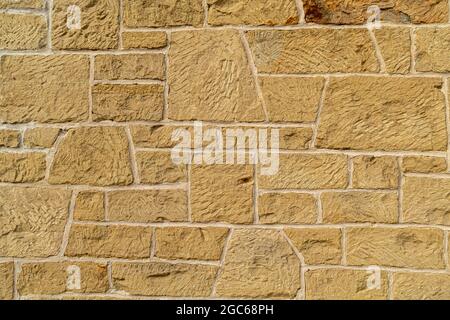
(92, 207)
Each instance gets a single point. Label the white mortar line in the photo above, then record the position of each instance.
(382, 268)
(16, 273)
(301, 291)
(221, 263)
(132, 157)
(254, 71)
(69, 223)
(25, 11)
(186, 262)
(300, 11)
(415, 75)
(319, 208)
(130, 82)
(379, 54)
(319, 111)
(320, 191)
(205, 13)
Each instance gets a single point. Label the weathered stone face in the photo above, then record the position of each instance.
(259, 264)
(144, 40)
(98, 28)
(57, 101)
(375, 172)
(355, 11)
(432, 49)
(93, 156)
(6, 281)
(21, 32)
(40, 137)
(32, 221)
(22, 167)
(369, 113)
(289, 208)
(158, 167)
(9, 138)
(21, 4)
(89, 205)
(212, 80)
(421, 286)
(253, 12)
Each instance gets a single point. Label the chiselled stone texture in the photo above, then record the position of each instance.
(303, 171)
(313, 51)
(40, 137)
(93, 156)
(288, 208)
(129, 67)
(360, 207)
(369, 113)
(164, 279)
(432, 47)
(144, 40)
(60, 277)
(424, 164)
(344, 284)
(210, 78)
(190, 243)
(421, 286)
(222, 193)
(21, 4)
(259, 264)
(426, 200)
(375, 172)
(22, 32)
(103, 241)
(9, 138)
(421, 248)
(356, 11)
(98, 26)
(32, 221)
(252, 12)
(148, 205)
(295, 138)
(157, 167)
(291, 99)
(89, 205)
(317, 246)
(61, 80)
(155, 136)
(6, 281)
(143, 13)
(128, 102)
(22, 167)
(395, 47)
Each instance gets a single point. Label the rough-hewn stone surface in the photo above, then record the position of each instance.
(109, 241)
(369, 113)
(6, 281)
(21, 4)
(396, 247)
(40, 137)
(424, 164)
(288, 208)
(90, 205)
(144, 40)
(57, 101)
(22, 167)
(253, 12)
(355, 11)
(344, 284)
(94, 156)
(157, 167)
(426, 200)
(210, 78)
(313, 51)
(142, 13)
(57, 278)
(395, 48)
(128, 102)
(259, 263)
(222, 193)
(148, 205)
(190, 243)
(129, 67)
(432, 49)
(22, 32)
(360, 206)
(98, 28)
(375, 172)
(32, 221)
(9, 138)
(163, 279)
(421, 286)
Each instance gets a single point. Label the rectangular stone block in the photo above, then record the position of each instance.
(190, 243)
(112, 241)
(6, 281)
(287, 208)
(156, 136)
(375, 172)
(421, 286)
(432, 47)
(303, 171)
(369, 113)
(22, 32)
(62, 82)
(129, 66)
(163, 279)
(312, 51)
(147, 205)
(344, 284)
(144, 40)
(424, 164)
(360, 207)
(426, 201)
(61, 277)
(128, 102)
(22, 167)
(157, 167)
(9, 138)
(421, 248)
(40, 137)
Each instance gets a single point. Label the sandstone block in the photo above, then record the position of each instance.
(22, 32)
(89, 206)
(144, 40)
(22, 167)
(375, 172)
(129, 66)
(432, 46)
(287, 208)
(40, 137)
(6, 281)
(421, 286)
(9, 138)
(424, 164)
(157, 167)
